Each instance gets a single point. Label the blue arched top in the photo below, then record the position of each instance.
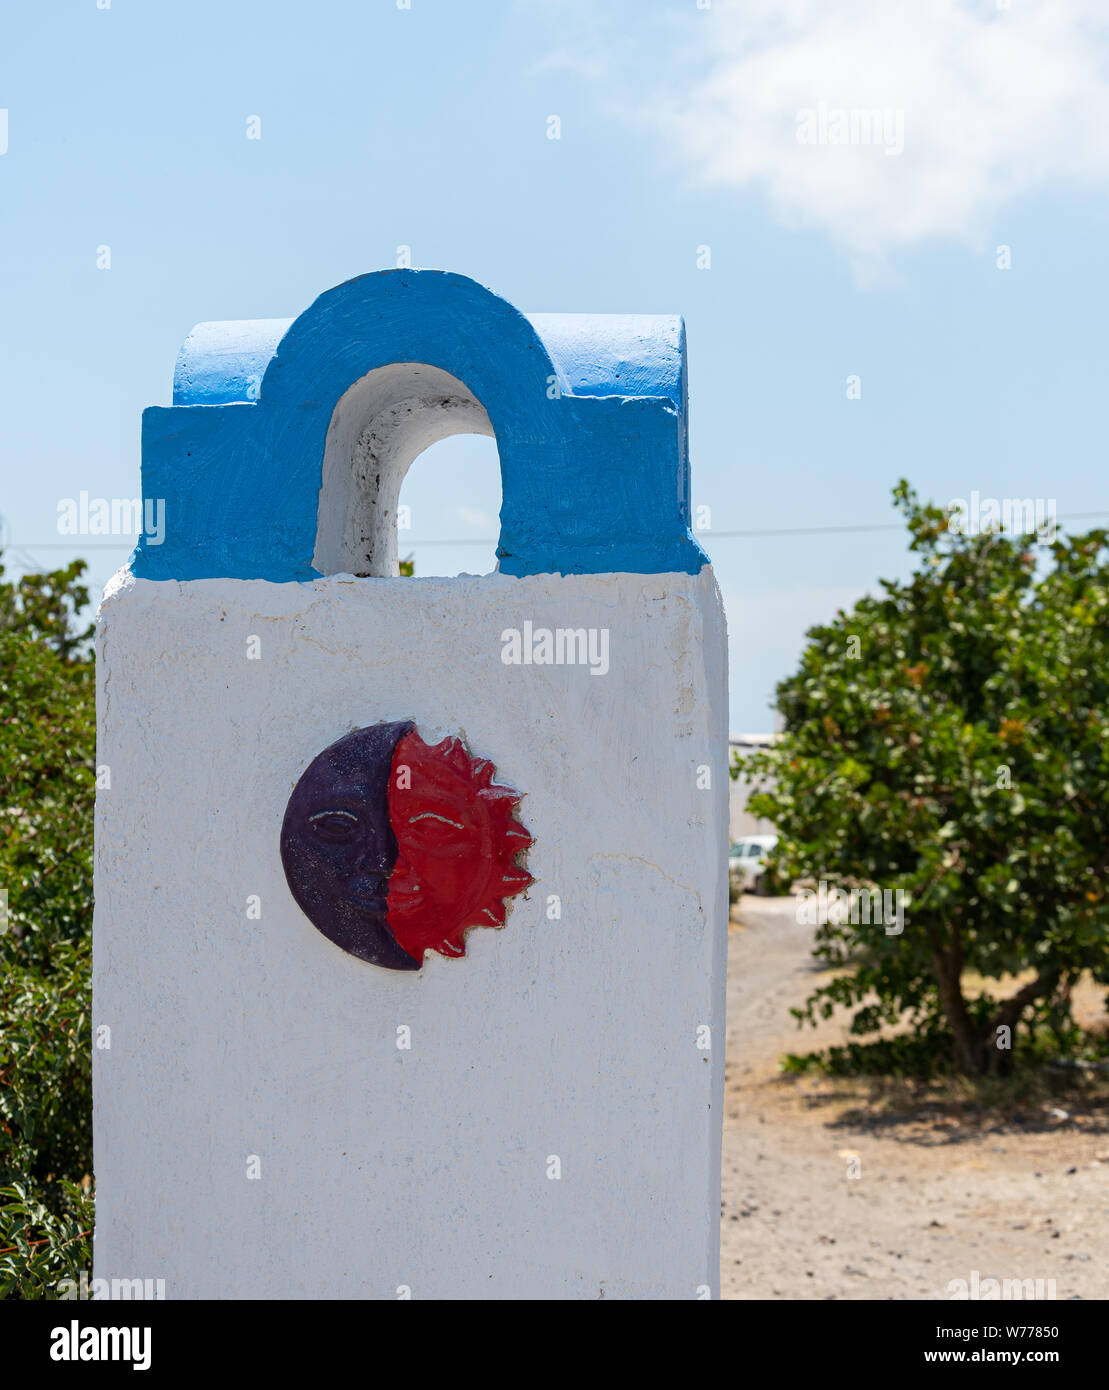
(589, 413)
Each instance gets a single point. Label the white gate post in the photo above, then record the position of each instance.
(411, 894)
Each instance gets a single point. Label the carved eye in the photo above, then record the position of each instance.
(435, 822)
(336, 827)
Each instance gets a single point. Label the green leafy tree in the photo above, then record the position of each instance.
(47, 779)
(949, 738)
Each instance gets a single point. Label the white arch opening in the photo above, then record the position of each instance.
(450, 507)
(380, 425)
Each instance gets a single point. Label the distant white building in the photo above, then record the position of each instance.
(741, 820)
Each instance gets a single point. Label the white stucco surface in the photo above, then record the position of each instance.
(383, 1169)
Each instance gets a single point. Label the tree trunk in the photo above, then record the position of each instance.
(970, 1051)
(1008, 1015)
(976, 1052)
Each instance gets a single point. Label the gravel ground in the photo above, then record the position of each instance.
(939, 1194)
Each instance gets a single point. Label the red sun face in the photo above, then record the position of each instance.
(457, 841)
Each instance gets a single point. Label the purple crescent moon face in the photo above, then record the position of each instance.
(338, 848)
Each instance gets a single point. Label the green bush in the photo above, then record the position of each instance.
(47, 781)
(948, 740)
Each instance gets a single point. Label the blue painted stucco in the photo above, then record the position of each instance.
(589, 412)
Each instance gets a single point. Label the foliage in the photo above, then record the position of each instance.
(949, 738)
(47, 779)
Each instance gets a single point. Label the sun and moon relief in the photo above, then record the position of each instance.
(393, 847)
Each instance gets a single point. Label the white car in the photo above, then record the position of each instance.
(746, 860)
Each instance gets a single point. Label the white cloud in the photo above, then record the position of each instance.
(996, 104)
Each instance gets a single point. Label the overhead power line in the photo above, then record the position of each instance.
(706, 536)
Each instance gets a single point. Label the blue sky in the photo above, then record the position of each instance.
(427, 127)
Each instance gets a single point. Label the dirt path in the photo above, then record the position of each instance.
(937, 1196)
